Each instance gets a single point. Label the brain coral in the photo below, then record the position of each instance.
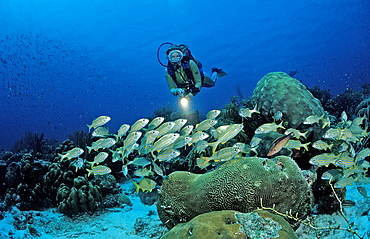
(277, 91)
(228, 224)
(239, 185)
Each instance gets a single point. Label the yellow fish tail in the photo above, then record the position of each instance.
(202, 162)
(214, 146)
(137, 186)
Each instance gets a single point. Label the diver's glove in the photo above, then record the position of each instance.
(195, 91)
(178, 91)
(189, 96)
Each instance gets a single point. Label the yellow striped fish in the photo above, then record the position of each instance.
(101, 120)
(323, 159)
(165, 128)
(163, 142)
(224, 154)
(155, 123)
(226, 135)
(99, 158)
(138, 125)
(186, 130)
(212, 114)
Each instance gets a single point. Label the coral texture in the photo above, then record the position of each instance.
(363, 109)
(82, 197)
(277, 91)
(239, 184)
(229, 224)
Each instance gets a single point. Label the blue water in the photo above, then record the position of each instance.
(64, 63)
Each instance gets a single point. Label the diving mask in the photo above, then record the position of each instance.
(175, 56)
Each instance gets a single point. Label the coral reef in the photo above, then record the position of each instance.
(35, 181)
(34, 143)
(363, 110)
(346, 101)
(233, 224)
(277, 91)
(23, 180)
(239, 185)
(82, 197)
(69, 188)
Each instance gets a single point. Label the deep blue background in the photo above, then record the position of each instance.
(63, 63)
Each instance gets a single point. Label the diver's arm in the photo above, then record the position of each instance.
(196, 74)
(172, 85)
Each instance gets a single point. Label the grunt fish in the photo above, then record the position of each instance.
(142, 172)
(344, 182)
(123, 129)
(180, 142)
(197, 136)
(131, 139)
(149, 137)
(73, 153)
(79, 163)
(247, 113)
(100, 132)
(101, 144)
(155, 123)
(332, 174)
(142, 161)
(99, 170)
(213, 114)
(216, 132)
(200, 146)
(321, 145)
(312, 119)
(277, 116)
(167, 154)
(332, 134)
(268, 127)
(344, 160)
(138, 125)
(186, 130)
(99, 158)
(205, 125)
(164, 141)
(323, 159)
(362, 154)
(226, 135)
(224, 154)
(101, 120)
(178, 125)
(296, 144)
(145, 184)
(164, 128)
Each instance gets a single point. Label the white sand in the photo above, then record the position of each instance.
(116, 223)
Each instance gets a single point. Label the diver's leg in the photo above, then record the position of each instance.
(209, 81)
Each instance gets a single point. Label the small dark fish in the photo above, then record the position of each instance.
(278, 144)
(362, 191)
(348, 204)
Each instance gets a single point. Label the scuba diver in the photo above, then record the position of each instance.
(184, 74)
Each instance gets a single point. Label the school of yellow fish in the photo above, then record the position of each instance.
(156, 141)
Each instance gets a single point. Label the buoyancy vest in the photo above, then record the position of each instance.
(190, 84)
(171, 68)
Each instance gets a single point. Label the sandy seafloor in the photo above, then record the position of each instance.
(120, 222)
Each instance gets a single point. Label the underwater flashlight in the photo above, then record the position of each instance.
(184, 102)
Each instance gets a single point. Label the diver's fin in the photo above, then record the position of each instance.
(220, 72)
